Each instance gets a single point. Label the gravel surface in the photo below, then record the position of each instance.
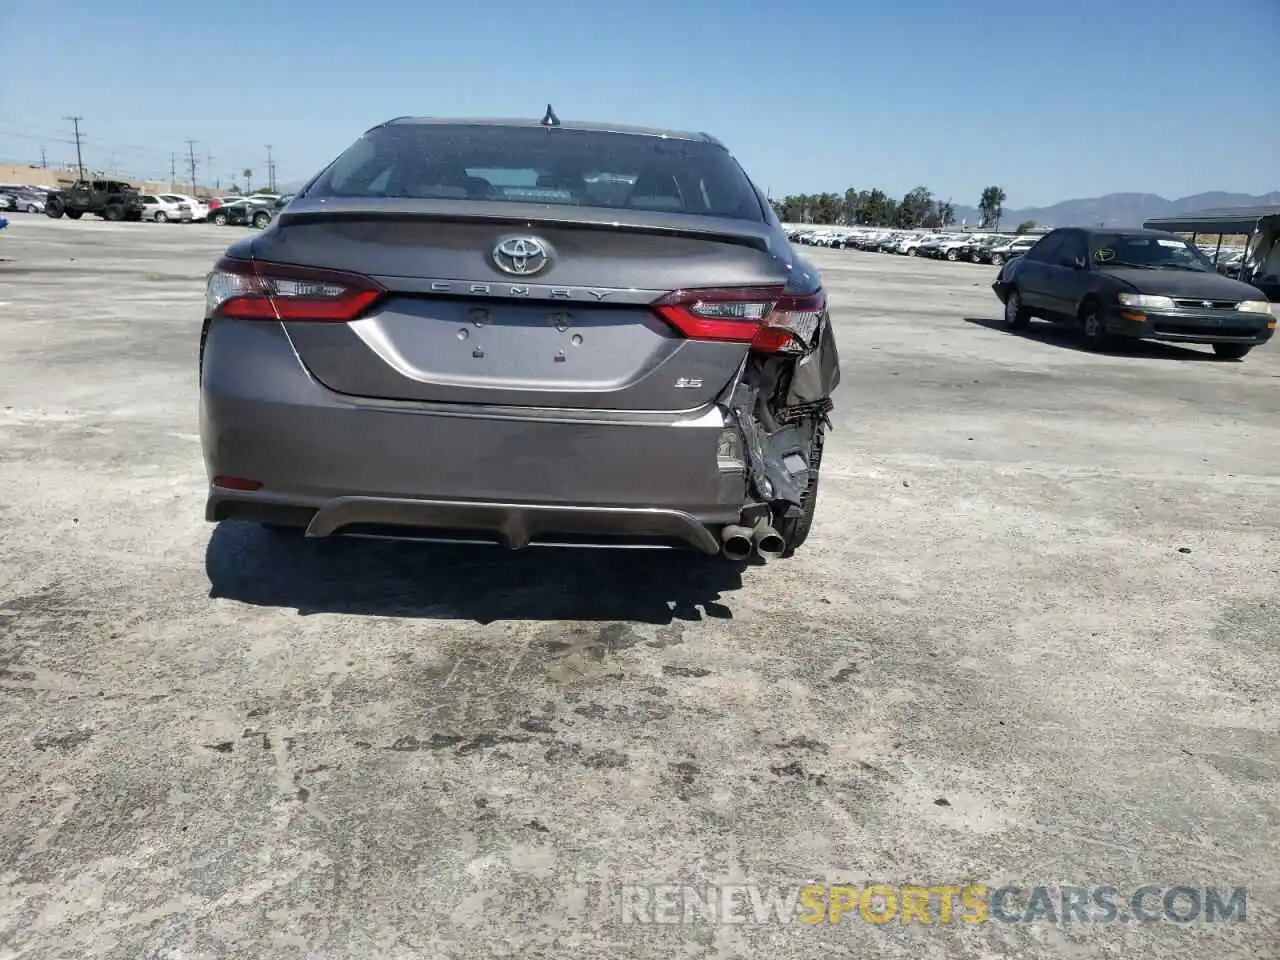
(1032, 641)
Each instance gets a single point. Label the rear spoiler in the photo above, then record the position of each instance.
(745, 233)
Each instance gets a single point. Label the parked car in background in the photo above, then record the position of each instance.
(929, 246)
(1000, 253)
(32, 201)
(22, 198)
(243, 213)
(910, 245)
(954, 247)
(975, 247)
(217, 202)
(694, 417)
(1116, 285)
(199, 209)
(1229, 262)
(160, 210)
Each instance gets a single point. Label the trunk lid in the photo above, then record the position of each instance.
(576, 332)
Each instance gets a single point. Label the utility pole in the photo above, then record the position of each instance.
(75, 121)
(44, 162)
(173, 169)
(271, 171)
(191, 159)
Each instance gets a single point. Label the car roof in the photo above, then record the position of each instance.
(1126, 232)
(562, 125)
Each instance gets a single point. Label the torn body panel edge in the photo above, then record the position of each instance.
(781, 404)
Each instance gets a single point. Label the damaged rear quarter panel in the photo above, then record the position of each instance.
(782, 404)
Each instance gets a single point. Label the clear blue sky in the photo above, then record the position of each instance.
(1051, 100)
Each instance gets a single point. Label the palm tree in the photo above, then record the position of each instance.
(991, 206)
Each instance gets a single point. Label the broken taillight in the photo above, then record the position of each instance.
(256, 290)
(769, 318)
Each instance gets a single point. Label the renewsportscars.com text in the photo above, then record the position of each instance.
(933, 904)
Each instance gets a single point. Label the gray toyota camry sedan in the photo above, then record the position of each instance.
(526, 333)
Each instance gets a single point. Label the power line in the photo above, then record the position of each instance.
(103, 146)
(30, 126)
(124, 147)
(75, 121)
(32, 136)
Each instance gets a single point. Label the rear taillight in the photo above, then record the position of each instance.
(254, 290)
(769, 318)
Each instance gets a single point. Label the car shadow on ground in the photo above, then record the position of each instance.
(1059, 335)
(483, 584)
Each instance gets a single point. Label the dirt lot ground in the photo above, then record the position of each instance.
(1032, 641)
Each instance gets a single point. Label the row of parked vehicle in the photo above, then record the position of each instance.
(256, 211)
(993, 248)
(118, 200)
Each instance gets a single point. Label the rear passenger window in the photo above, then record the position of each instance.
(1073, 246)
(1046, 250)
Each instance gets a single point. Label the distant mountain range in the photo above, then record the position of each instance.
(1120, 209)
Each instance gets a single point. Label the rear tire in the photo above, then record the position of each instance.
(795, 531)
(113, 213)
(997, 259)
(220, 219)
(1232, 351)
(260, 220)
(32, 208)
(952, 256)
(161, 217)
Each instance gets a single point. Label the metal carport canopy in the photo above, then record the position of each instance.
(1230, 220)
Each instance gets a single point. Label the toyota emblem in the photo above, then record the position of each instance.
(521, 256)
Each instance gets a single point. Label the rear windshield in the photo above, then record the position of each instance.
(537, 165)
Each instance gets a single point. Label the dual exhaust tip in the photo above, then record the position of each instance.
(738, 542)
